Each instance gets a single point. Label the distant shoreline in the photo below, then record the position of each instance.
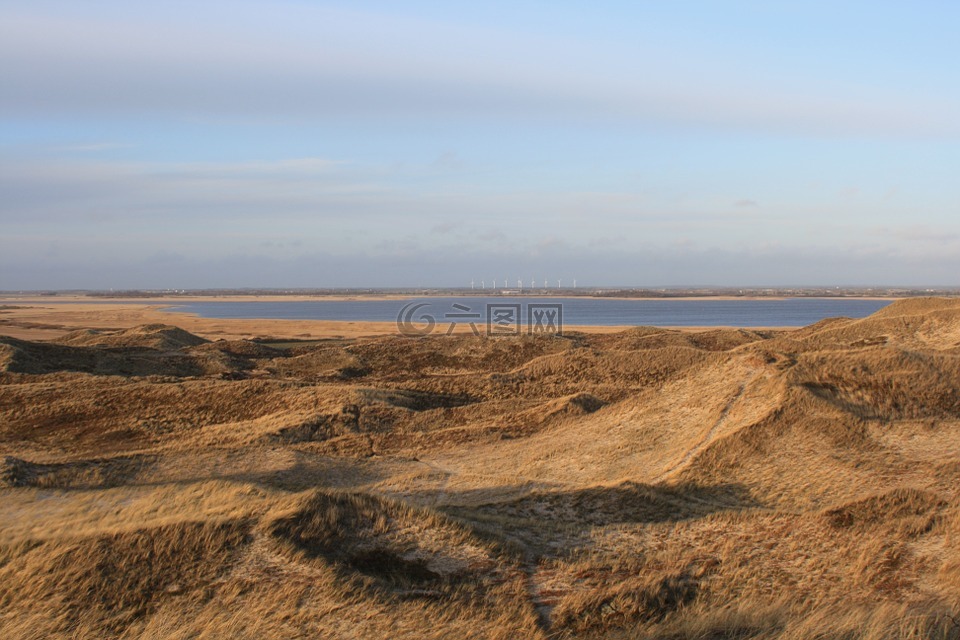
(34, 299)
(41, 317)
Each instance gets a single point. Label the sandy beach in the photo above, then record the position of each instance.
(39, 318)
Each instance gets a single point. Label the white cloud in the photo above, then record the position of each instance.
(339, 64)
(407, 261)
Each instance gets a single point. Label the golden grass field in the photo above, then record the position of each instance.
(165, 482)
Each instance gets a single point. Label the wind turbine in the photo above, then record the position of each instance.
(533, 283)
(520, 284)
(483, 284)
(574, 283)
(558, 283)
(471, 284)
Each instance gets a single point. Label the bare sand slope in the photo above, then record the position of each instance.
(157, 483)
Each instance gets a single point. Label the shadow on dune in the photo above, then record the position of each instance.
(95, 473)
(544, 516)
(43, 358)
(629, 502)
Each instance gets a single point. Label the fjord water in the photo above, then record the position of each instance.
(786, 312)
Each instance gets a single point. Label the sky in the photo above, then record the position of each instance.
(386, 144)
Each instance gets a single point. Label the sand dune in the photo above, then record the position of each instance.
(644, 483)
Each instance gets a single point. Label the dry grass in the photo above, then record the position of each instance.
(643, 484)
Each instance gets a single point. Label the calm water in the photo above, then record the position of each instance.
(793, 312)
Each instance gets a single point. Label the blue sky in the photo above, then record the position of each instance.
(227, 144)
